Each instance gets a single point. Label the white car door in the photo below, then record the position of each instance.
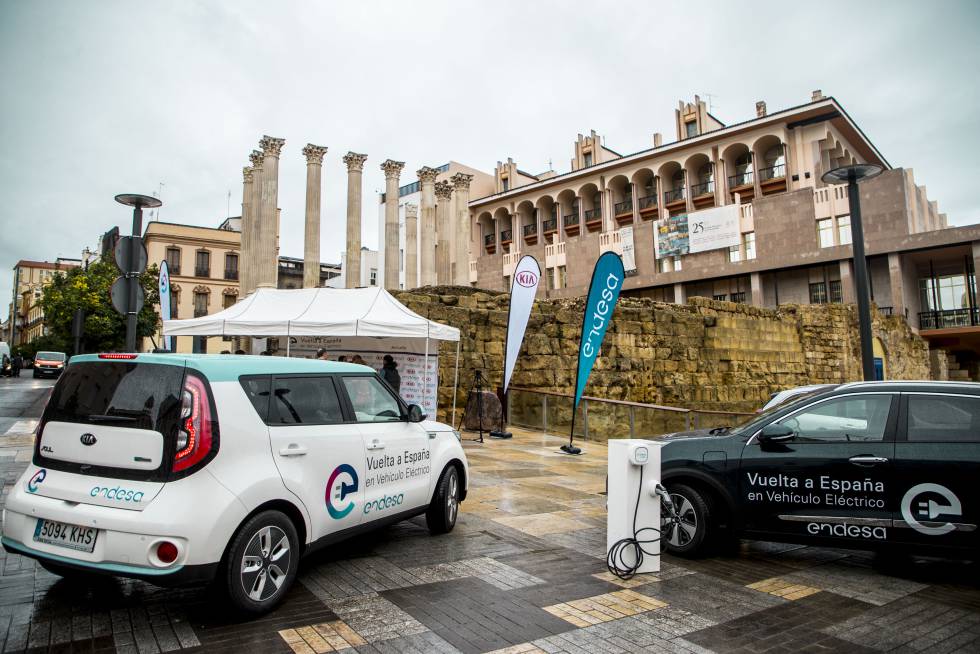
(319, 455)
(397, 465)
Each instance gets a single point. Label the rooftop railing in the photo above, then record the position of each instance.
(948, 318)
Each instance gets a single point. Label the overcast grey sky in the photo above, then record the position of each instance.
(105, 97)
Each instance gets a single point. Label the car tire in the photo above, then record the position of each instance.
(261, 563)
(688, 536)
(442, 512)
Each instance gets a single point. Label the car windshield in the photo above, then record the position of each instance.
(50, 356)
(754, 422)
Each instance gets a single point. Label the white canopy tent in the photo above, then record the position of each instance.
(319, 312)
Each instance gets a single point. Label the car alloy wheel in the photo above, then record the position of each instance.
(452, 499)
(680, 529)
(265, 563)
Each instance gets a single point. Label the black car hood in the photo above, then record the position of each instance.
(695, 433)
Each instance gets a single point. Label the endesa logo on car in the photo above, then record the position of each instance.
(117, 493)
(341, 483)
(526, 278)
(34, 481)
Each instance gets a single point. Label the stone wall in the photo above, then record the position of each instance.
(705, 355)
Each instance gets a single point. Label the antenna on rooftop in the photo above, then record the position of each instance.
(709, 96)
(228, 208)
(550, 166)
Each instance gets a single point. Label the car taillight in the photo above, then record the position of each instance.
(195, 434)
(113, 355)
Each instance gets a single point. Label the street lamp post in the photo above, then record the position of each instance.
(852, 175)
(137, 202)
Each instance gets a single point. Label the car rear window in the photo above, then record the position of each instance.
(126, 393)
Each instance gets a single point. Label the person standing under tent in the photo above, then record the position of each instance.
(389, 372)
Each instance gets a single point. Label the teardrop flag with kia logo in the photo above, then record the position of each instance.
(523, 288)
(607, 282)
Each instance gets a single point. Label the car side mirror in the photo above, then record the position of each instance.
(776, 433)
(415, 413)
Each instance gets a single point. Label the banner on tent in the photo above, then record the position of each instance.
(419, 378)
(164, 287)
(527, 274)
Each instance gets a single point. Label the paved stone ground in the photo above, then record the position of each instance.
(523, 572)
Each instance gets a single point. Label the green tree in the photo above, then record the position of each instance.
(89, 290)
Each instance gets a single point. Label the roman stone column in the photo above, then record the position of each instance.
(268, 248)
(427, 181)
(461, 251)
(444, 200)
(355, 165)
(247, 219)
(392, 169)
(411, 245)
(311, 244)
(253, 226)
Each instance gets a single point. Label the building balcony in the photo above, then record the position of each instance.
(530, 233)
(550, 226)
(674, 196)
(704, 188)
(949, 318)
(173, 269)
(490, 243)
(202, 272)
(231, 275)
(593, 219)
(507, 237)
(570, 223)
(623, 211)
(647, 207)
(773, 179)
(739, 180)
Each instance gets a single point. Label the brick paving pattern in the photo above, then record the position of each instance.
(522, 573)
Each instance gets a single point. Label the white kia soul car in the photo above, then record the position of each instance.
(187, 468)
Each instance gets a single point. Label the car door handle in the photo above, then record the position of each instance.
(867, 460)
(376, 445)
(293, 450)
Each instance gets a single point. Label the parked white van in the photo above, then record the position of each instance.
(188, 468)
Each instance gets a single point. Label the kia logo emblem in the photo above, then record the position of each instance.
(526, 278)
(88, 439)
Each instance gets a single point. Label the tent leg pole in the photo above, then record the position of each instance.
(425, 379)
(455, 384)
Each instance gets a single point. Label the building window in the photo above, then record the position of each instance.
(738, 298)
(825, 232)
(173, 260)
(202, 264)
(374, 277)
(818, 293)
(587, 157)
(844, 230)
(231, 266)
(677, 264)
(734, 254)
(550, 275)
(720, 298)
(174, 301)
(200, 304)
(691, 128)
(748, 239)
(836, 291)
(506, 183)
(950, 293)
(562, 278)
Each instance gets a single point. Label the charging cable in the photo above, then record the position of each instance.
(618, 559)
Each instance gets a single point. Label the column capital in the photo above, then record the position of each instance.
(461, 181)
(444, 190)
(411, 210)
(271, 146)
(354, 161)
(314, 153)
(256, 158)
(427, 175)
(247, 174)
(392, 168)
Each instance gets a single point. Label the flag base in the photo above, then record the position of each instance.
(571, 449)
(496, 433)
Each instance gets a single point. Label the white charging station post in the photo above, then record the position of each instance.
(626, 458)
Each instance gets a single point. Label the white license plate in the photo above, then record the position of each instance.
(73, 537)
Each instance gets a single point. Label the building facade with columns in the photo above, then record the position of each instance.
(422, 199)
(25, 319)
(794, 238)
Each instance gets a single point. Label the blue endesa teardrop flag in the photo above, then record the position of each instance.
(607, 281)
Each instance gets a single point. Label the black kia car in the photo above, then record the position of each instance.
(869, 465)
